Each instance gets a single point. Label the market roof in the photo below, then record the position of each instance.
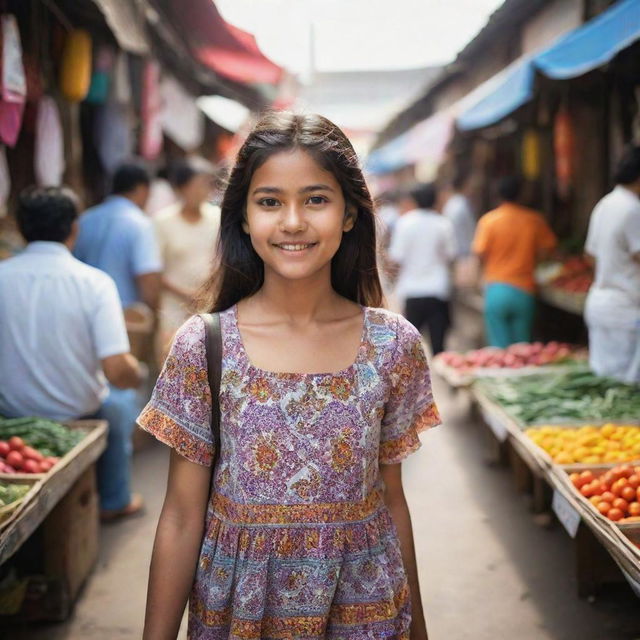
(585, 48)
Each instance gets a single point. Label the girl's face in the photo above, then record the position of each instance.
(295, 215)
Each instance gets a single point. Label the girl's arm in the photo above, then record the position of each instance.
(396, 503)
(176, 548)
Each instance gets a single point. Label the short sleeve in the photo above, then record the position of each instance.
(145, 252)
(179, 412)
(481, 238)
(107, 319)
(410, 408)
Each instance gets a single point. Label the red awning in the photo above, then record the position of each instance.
(225, 49)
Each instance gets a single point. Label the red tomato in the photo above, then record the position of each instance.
(587, 476)
(32, 454)
(597, 488)
(615, 514)
(586, 490)
(595, 500)
(575, 479)
(604, 507)
(608, 496)
(31, 466)
(15, 460)
(634, 509)
(4, 449)
(618, 486)
(622, 504)
(628, 493)
(45, 465)
(16, 444)
(626, 471)
(634, 480)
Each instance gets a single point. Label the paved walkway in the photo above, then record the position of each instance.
(487, 571)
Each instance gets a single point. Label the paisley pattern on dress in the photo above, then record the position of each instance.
(298, 541)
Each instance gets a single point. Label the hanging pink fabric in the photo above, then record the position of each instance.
(151, 116)
(5, 182)
(49, 149)
(13, 82)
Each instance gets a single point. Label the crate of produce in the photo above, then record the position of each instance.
(568, 397)
(36, 447)
(91, 438)
(461, 369)
(576, 447)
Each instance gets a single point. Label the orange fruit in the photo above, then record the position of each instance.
(604, 507)
(628, 493)
(615, 514)
(622, 504)
(634, 509)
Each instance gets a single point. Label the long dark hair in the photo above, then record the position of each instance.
(239, 271)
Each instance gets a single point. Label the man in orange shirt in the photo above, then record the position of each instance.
(509, 241)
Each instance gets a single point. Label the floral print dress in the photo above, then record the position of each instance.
(298, 541)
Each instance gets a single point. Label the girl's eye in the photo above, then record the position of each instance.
(268, 202)
(317, 200)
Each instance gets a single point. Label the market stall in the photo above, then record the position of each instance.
(573, 441)
(49, 512)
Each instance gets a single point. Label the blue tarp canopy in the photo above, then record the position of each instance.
(593, 44)
(513, 87)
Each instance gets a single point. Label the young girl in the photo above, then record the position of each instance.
(303, 531)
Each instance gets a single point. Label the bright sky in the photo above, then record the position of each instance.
(354, 35)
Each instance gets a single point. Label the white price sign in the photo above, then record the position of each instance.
(566, 513)
(496, 425)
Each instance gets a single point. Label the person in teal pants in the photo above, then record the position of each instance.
(509, 241)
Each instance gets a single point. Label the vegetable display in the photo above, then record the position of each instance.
(516, 356)
(34, 445)
(614, 493)
(589, 444)
(575, 276)
(576, 396)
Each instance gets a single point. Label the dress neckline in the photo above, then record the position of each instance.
(285, 374)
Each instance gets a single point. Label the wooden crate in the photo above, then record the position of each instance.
(55, 485)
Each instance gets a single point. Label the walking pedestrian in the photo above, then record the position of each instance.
(61, 333)
(423, 248)
(304, 530)
(509, 241)
(612, 310)
(187, 232)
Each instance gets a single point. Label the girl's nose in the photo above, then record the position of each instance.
(292, 219)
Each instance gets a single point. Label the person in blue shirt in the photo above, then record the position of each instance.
(63, 338)
(119, 239)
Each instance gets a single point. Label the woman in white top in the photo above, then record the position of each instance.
(612, 310)
(187, 232)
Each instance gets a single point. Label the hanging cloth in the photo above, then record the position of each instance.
(49, 162)
(13, 82)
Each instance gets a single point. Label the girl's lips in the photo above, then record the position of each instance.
(295, 247)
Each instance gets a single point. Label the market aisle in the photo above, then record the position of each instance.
(488, 572)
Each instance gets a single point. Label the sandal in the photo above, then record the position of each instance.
(135, 507)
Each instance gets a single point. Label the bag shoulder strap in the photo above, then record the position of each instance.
(213, 342)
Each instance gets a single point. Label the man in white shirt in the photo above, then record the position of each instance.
(62, 337)
(423, 248)
(457, 210)
(612, 310)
